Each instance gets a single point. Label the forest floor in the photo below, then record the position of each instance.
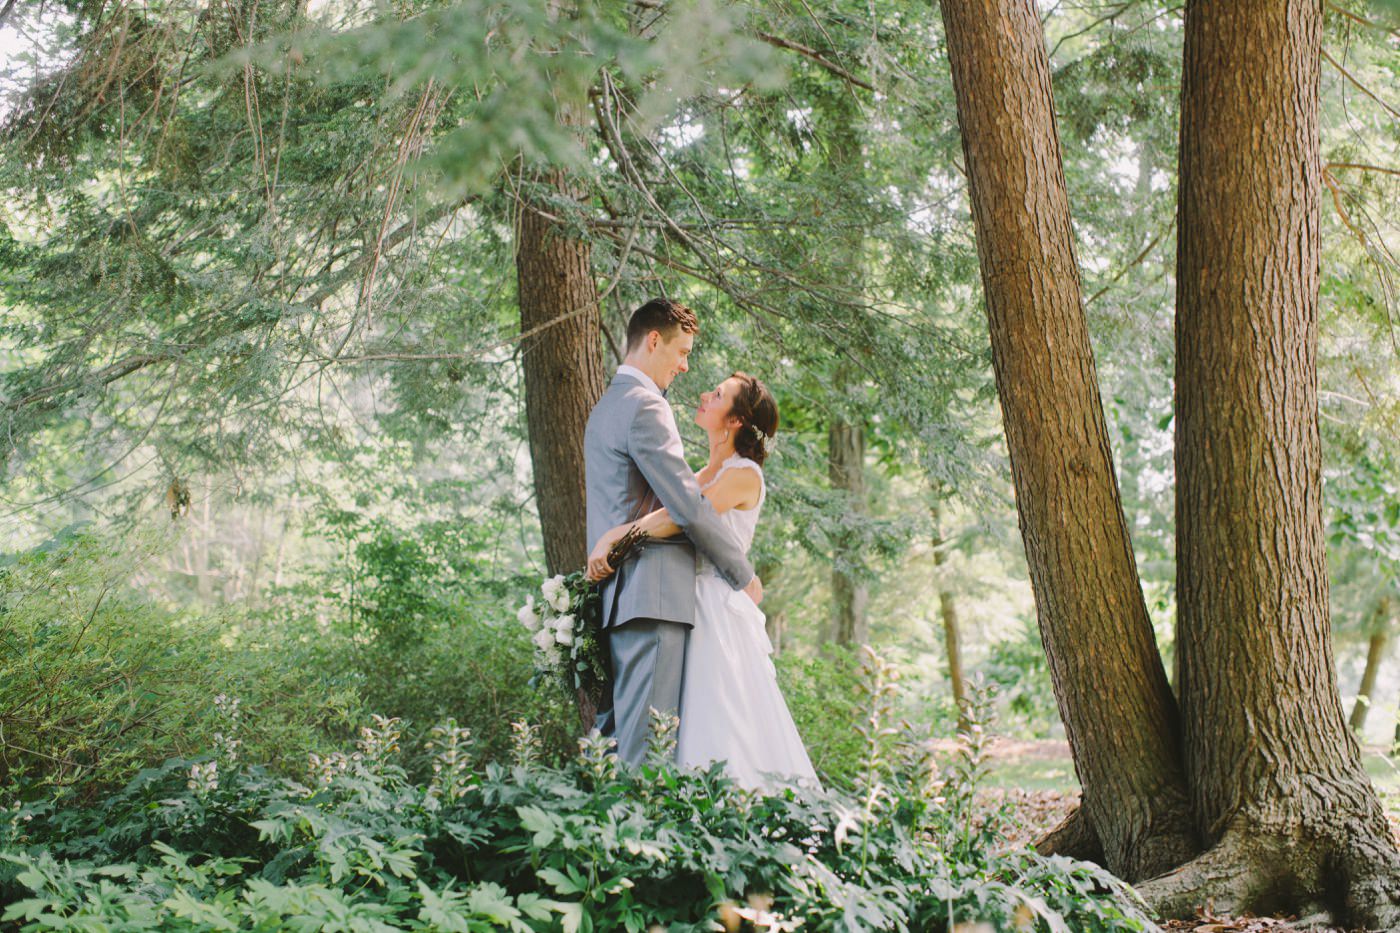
(1036, 777)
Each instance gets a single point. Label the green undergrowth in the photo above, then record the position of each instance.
(212, 843)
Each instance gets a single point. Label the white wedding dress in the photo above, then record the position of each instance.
(731, 707)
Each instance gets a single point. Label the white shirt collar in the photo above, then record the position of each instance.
(637, 374)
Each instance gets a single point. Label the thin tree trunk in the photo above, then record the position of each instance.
(204, 580)
(948, 610)
(844, 254)
(1109, 682)
(1375, 651)
(850, 624)
(1275, 775)
(768, 572)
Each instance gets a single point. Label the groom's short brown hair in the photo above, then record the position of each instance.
(662, 315)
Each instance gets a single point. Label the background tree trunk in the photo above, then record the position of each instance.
(1275, 776)
(1109, 681)
(1375, 651)
(948, 611)
(773, 616)
(850, 624)
(844, 171)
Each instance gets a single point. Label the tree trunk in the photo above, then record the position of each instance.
(1375, 650)
(564, 378)
(1109, 682)
(844, 256)
(1275, 776)
(768, 572)
(849, 597)
(948, 610)
(563, 373)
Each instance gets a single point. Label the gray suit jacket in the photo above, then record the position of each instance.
(633, 461)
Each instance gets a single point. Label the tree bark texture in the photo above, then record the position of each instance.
(1375, 652)
(563, 372)
(1109, 682)
(1274, 773)
(564, 377)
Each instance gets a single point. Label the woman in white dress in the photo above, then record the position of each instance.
(731, 707)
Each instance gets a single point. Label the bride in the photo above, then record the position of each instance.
(731, 707)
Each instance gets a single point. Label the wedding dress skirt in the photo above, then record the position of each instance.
(731, 707)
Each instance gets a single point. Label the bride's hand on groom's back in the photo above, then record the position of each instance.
(754, 590)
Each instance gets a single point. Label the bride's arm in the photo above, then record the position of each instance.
(734, 489)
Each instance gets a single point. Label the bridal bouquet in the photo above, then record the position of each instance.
(565, 627)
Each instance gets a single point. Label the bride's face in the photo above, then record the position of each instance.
(713, 413)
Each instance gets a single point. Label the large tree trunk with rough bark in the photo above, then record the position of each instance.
(1109, 682)
(1375, 651)
(1275, 775)
(563, 362)
(563, 372)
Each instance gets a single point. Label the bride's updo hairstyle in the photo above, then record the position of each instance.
(753, 405)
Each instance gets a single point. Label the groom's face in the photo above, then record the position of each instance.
(671, 357)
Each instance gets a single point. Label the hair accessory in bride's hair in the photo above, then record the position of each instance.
(764, 442)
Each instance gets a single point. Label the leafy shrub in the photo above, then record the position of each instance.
(824, 695)
(97, 681)
(590, 844)
(408, 622)
(1018, 667)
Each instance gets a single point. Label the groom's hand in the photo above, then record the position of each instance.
(598, 567)
(755, 590)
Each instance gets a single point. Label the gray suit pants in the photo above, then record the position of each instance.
(648, 666)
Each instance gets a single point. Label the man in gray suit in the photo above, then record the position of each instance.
(634, 465)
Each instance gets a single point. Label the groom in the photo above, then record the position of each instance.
(634, 465)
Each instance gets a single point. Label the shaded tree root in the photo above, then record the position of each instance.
(1350, 873)
(1164, 840)
(1074, 838)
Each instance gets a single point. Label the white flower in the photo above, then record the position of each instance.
(556, 594)
(565, 636)
(543, 639)
(564, 623)
(528, 616)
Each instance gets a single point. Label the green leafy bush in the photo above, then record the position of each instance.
(97, 680)
(824, 695)
(1018, 667)
(410, 623)
(590, 844)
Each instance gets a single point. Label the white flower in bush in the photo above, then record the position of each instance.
(565, 636)
(564, 623)
(543, 639)
(528, 616)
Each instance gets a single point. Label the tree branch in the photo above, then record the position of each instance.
(815, 56)
(1361, 87)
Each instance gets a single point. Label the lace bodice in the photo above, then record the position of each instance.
(743, 522)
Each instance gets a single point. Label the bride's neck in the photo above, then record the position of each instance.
(720, 450)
